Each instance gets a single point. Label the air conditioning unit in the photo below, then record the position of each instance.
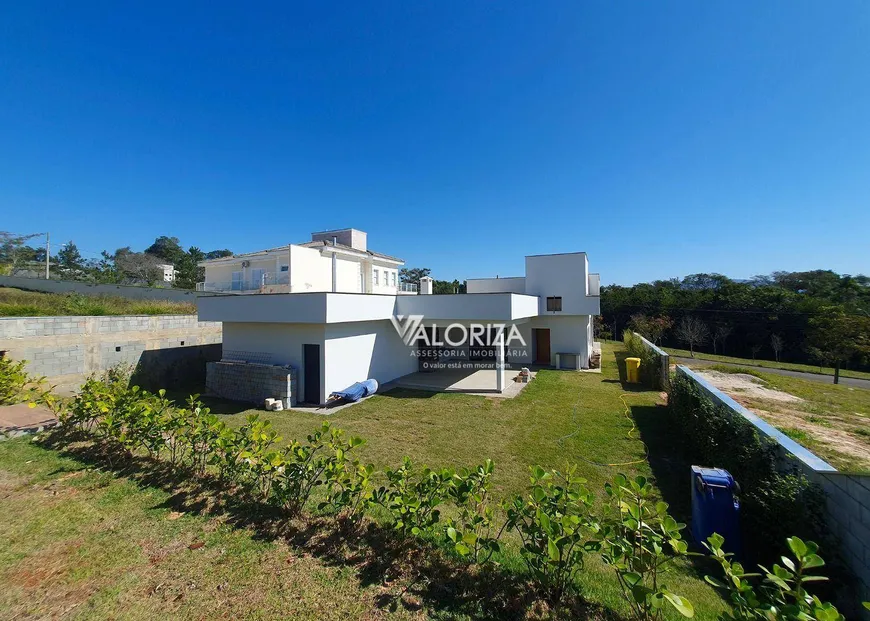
(246, 263)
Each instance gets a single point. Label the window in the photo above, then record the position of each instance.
(554, 304)
(375, 277)
(393, 278)
(285, 268)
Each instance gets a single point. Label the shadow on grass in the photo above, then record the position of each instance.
(672, 475)
(419, 574)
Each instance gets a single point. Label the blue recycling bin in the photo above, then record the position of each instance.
(715, 507)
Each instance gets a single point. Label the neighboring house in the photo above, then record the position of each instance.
(336, 261)
(168, 272)
(332, 337)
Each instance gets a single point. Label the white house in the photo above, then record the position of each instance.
(335, 261)
(332, 324)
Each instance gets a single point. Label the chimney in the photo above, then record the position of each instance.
(346, 237)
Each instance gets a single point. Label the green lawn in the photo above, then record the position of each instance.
(18, 303)
(770, 364)
(832, 420)
(96, 536)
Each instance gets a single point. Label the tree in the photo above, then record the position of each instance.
(135, 267)
(218, 254)
(835, 337)
(692, 331)
(188, 273)
(413, 275)
(167, 249)
(446, 287)
(651, 327)
(776, 343)
(69, 260)
(14, 252)
(720, 333)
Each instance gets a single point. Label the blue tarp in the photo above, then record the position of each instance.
(357, 391)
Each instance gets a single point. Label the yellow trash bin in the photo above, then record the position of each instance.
(632, 366)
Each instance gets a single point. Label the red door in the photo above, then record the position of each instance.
(542, 346)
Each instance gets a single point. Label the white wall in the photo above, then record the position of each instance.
(283, 342)
(570, 334)
(348, 274)
(561, 275)
(387, 275)
(309, 271)
(264, 308)
(483, 307)
(515, 284)
(363, 350)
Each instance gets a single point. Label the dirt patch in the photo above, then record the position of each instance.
(748, 385)
(10, 482)
(837, 440)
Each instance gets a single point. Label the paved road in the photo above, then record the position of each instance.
(813, 377)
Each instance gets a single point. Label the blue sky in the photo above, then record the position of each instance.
(663, 138)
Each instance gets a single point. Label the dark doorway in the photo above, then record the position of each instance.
(542, 346)
(311, 364)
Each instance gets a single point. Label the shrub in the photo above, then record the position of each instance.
(781, 593)
(412, 497)
(322, 461)
(552, 523)
(650, 361)
(638, 539)
(473, 533)
(14, 382)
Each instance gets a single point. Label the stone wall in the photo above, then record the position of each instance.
(251, 382)
(847, 510)
(167, 350)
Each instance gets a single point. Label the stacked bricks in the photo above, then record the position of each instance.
(251, 382)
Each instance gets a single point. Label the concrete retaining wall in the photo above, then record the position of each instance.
(847, 510)
(168, 350)
(124, 291)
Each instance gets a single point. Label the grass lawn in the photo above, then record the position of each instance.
(111, 544)
(832, 420)
(18, 303)
(770, 364)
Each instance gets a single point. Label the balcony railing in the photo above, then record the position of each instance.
(594, 284)
(251, 285)
(408, 287)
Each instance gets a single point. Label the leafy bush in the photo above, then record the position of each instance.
(650, 361)
(552, 523)
(412, 497)
(473, 534)
(14, 382)
(634, 540)
(782, 593)
(775, 505)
